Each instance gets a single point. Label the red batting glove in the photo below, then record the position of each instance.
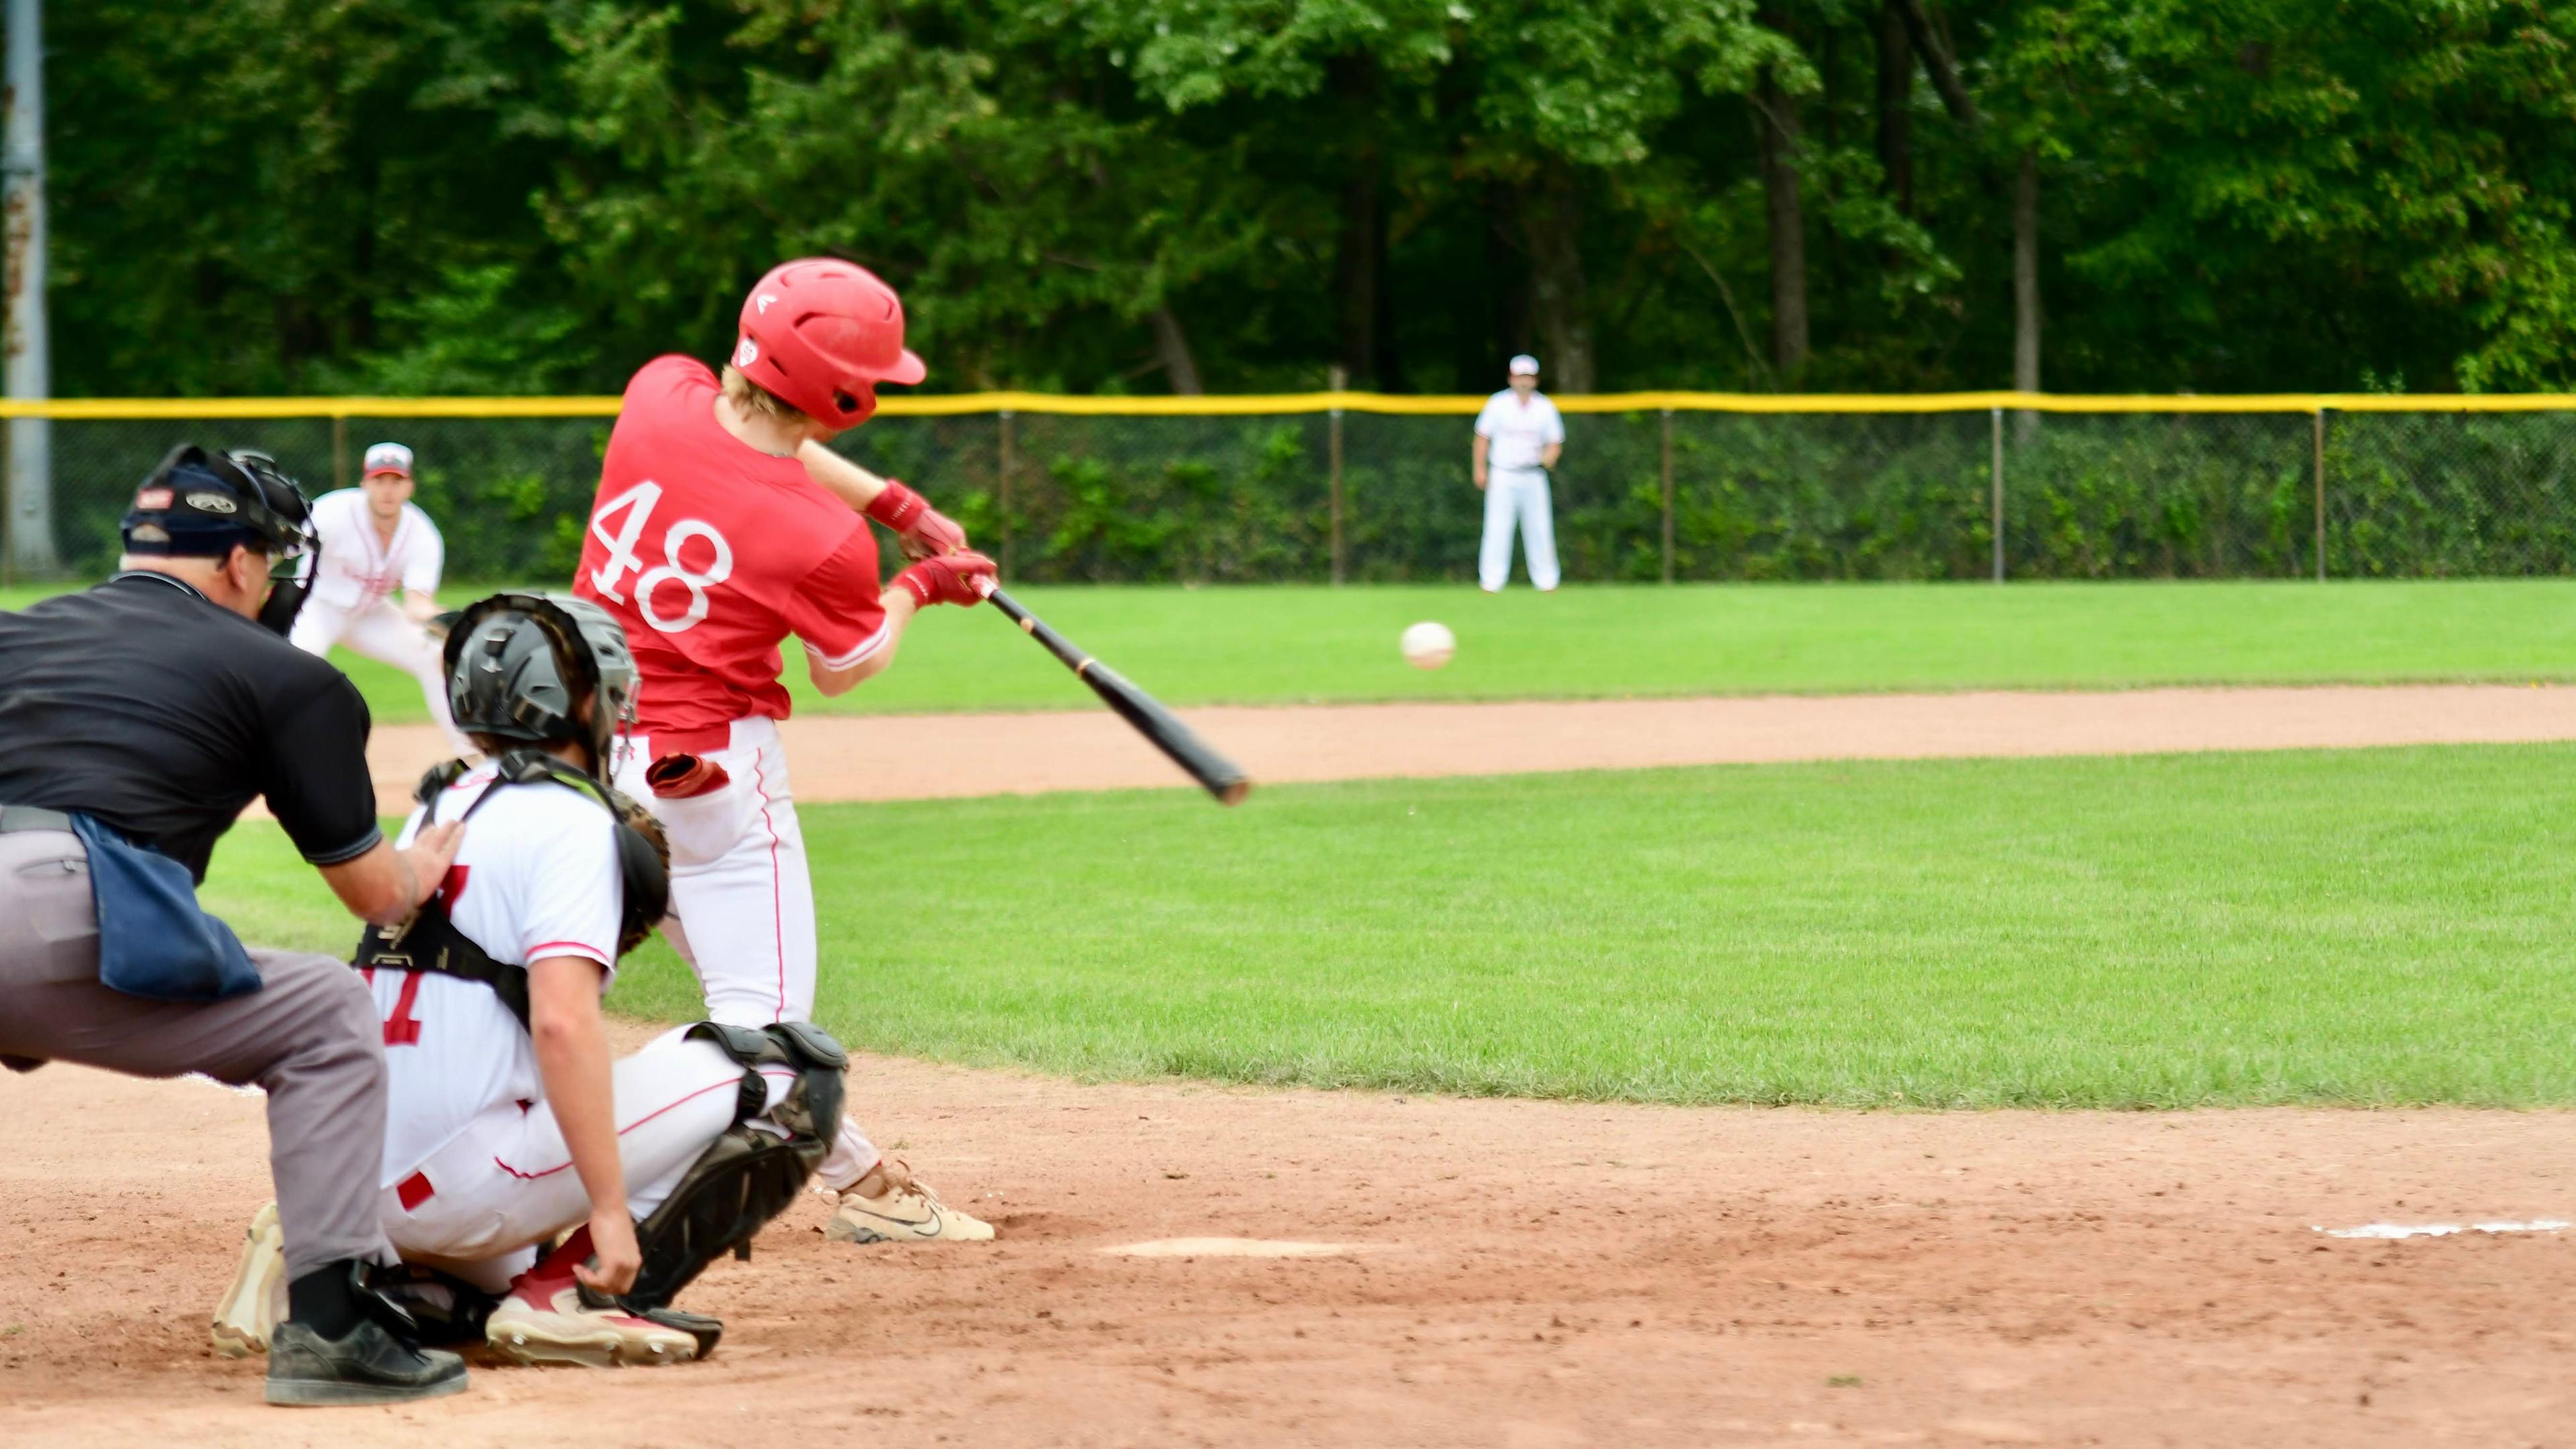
(898, 507)
(955, 578)
(935, 534)
(924, 531)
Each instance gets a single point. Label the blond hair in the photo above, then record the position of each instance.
(751, 400)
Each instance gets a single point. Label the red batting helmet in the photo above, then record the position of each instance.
(820, 334)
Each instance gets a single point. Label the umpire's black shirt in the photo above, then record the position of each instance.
(150, 708)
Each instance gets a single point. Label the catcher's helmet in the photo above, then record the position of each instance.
(519, 664)
(820, 334)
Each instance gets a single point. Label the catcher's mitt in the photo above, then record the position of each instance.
(644, 859)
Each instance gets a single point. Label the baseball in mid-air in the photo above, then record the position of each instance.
(1428, 645)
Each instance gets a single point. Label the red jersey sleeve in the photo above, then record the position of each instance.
(836, 611)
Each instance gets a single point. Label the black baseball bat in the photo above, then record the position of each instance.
(1222, 777)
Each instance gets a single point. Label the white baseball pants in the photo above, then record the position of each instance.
(1517, 494)
(383, 633)
(480, 1205)
(742, 899)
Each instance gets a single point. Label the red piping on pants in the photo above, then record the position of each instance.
(777, 891)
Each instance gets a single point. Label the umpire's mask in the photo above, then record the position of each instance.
(201, 504)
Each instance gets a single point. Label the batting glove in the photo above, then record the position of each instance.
(924, 531)
(956, 578)
(935, 534)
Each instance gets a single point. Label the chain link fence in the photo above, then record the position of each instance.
(1369, 496)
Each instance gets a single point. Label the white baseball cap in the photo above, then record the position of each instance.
(1524, 363)
(388, 458)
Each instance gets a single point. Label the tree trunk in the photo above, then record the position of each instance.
(1386, 362)
(1355, 269)
(1777, 123)
(1172, 349)
(1367, 300)
(1360, 283)
(1936, 59)
(1895, 97)
(1493, 305)
(2026, 314)
(1560, 310)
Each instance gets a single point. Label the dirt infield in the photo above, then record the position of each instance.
(990, 754)
(1445, 1272)
(1511, 1273)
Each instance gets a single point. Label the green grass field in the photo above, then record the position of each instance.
(1294, 645)
(2371, 926)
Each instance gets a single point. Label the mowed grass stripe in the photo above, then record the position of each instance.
(1288, 645)
(2368, 927)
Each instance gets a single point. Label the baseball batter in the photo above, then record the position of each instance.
(375, 541)
(722, 526)
(506, 1121)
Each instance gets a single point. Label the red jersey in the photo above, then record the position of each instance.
(710, 552)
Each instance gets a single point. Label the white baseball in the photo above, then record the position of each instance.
(1428, 645)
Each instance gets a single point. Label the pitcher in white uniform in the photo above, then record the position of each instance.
(1518, 438)
(376, 541)
(507, 1123)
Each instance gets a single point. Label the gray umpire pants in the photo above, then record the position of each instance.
(309, 1036)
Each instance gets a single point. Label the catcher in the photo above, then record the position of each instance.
(507, 1122)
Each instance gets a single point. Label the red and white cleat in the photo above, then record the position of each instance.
(545, 1319)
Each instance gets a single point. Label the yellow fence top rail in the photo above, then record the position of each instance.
(1255, 405)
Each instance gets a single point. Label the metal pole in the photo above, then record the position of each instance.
(1998, 523)
(1668, 495)
(1005, 492)
(2321, 495)
(1339, 379)
(29, 372)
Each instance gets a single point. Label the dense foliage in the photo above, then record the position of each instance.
(1104, 195)
(1235, 500)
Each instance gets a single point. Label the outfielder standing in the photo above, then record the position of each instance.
(722, 526)
(375, 540)
(1518, 438)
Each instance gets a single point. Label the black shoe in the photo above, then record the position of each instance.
(370, 1366)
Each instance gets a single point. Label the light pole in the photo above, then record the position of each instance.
(28, 373)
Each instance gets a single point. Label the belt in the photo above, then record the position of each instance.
(15, 818)
(707, 741)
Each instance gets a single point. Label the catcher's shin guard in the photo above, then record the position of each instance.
(752, 1172)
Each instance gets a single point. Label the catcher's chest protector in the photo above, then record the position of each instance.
(431, 942)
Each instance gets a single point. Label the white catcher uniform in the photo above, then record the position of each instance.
(352, 599)
(475, 1169)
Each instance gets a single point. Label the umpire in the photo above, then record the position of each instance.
(137, 719)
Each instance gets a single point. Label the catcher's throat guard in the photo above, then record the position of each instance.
(751, 1173)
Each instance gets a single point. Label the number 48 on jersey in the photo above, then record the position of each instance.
(637, 504)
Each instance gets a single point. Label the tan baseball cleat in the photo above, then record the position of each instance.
(545, 1321)
(890, 1205)
(246, 1318)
